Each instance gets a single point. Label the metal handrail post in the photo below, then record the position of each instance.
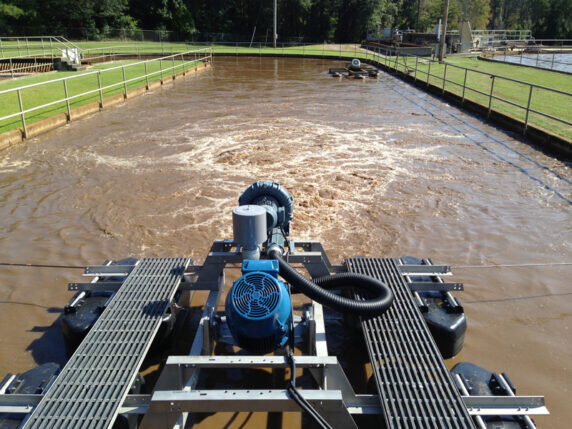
(124, 83)
(444, 79)
(27, 46)
(22, 114)
(146, 77)
(183, 63)
(11, 68)
(173, 58)
(464, 86)
(161, 67)
(491, 96)
(67, 99)
(1, 48)
(527, 109)
(552, 66)
(100, 91)
(52, 47)
(428, 73)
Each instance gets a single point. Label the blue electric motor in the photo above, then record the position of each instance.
(258, 308)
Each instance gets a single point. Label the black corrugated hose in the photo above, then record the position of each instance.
(381, 300)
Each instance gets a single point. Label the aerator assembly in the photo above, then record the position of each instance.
(364, 346)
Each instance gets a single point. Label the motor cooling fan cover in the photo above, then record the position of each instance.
(258, 312)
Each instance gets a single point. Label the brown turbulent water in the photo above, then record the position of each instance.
(376, 168)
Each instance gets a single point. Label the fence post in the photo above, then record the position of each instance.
(27, 46)
(552, 66)
(527, 109)
(100, 91)
(183, 64)
(416, 63)
(491, 96)
(444, 78)
(161, 67)
(124, 83)
(428, 72)
(1, 48)
(464, 86)
(146, 77)
(67, 99)
(23, 114)
(11, 68)
(173, 58)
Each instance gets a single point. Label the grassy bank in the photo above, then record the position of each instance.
(81, 83)
(509, 94)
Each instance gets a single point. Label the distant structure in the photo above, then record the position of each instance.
(456, 41)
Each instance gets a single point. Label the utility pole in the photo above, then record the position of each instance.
(443, 32)
(418, 12)
(275, 1)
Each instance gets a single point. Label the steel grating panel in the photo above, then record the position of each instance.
(416, 388)
(97, 378)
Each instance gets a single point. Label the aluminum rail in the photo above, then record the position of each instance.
(99, 89)
(400, 64)
(105, 70)
(415, 387)
(96, 380)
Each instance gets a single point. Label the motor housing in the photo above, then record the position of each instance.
(258, 308)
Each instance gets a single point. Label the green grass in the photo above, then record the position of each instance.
(81, 83)
(509, 94)
(478, 82)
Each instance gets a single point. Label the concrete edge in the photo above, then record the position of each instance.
(548, 142)
(14, 137)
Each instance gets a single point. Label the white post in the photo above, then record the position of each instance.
(275, 30)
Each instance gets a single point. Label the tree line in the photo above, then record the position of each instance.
(304, 20)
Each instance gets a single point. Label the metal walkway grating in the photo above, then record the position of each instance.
(415, 386)
(97, 378)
